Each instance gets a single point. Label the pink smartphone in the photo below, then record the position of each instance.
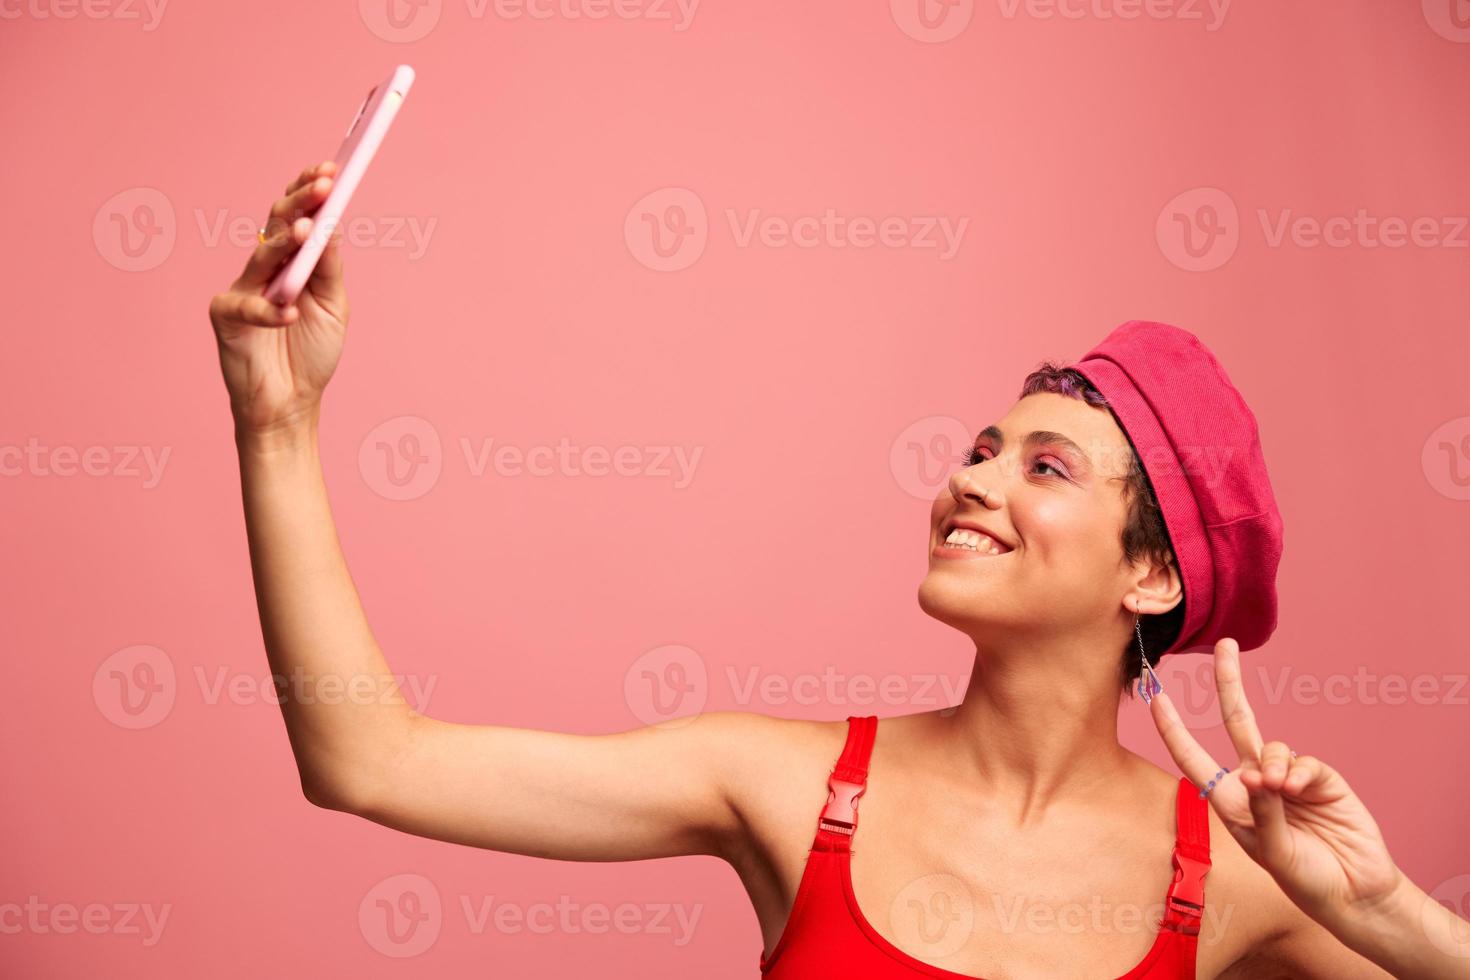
(363, 138)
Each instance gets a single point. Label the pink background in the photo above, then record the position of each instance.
(803, 375)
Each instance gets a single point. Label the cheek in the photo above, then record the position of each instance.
(1062, 533)
(1055, 520)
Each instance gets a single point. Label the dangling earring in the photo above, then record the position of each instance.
(1148, 681)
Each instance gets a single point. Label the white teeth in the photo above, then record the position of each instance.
(964, 538)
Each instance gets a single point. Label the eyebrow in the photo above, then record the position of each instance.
(1036, 438)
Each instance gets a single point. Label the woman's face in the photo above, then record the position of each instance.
(1047, 483)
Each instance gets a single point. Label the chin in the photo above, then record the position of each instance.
(947, 602)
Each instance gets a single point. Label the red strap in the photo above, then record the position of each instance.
(849, 778)
(1184, 907)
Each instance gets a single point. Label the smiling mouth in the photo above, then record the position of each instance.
(972, 542)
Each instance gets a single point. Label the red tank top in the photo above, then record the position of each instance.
(827, 935)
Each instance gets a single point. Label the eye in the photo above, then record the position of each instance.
(973, 457)
(1055, 470)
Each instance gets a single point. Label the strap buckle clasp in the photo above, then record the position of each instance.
(840, 814)
(1186, 899)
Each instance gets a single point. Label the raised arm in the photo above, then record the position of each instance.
(359, 745)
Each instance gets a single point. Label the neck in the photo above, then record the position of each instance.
(1039, 723)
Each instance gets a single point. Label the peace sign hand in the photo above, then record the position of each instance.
(1294, 815)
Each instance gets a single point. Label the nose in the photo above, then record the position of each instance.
(963, 486)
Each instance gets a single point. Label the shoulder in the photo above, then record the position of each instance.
(765, 764)
(760, 753)
(772, 773)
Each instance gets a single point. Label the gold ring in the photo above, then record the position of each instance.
(260, 236)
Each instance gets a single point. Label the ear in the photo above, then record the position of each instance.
(1155, 588)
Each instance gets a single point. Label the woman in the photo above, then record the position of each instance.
(1053, 550)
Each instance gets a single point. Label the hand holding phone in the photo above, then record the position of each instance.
(363, 138)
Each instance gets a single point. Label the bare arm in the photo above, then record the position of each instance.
(1408, 935)
(648, 792)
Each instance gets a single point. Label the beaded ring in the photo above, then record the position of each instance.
(1206, 791)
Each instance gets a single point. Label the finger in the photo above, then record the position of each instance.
(1240, 720)
(1307, 773)
(1188, 754)
(1268, 813)
(251, 309)
(326, 167)
(303, 200)
(326, 279)
(1275, 760)
(269, 255)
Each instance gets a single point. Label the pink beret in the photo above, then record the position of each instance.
(1198, 442)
